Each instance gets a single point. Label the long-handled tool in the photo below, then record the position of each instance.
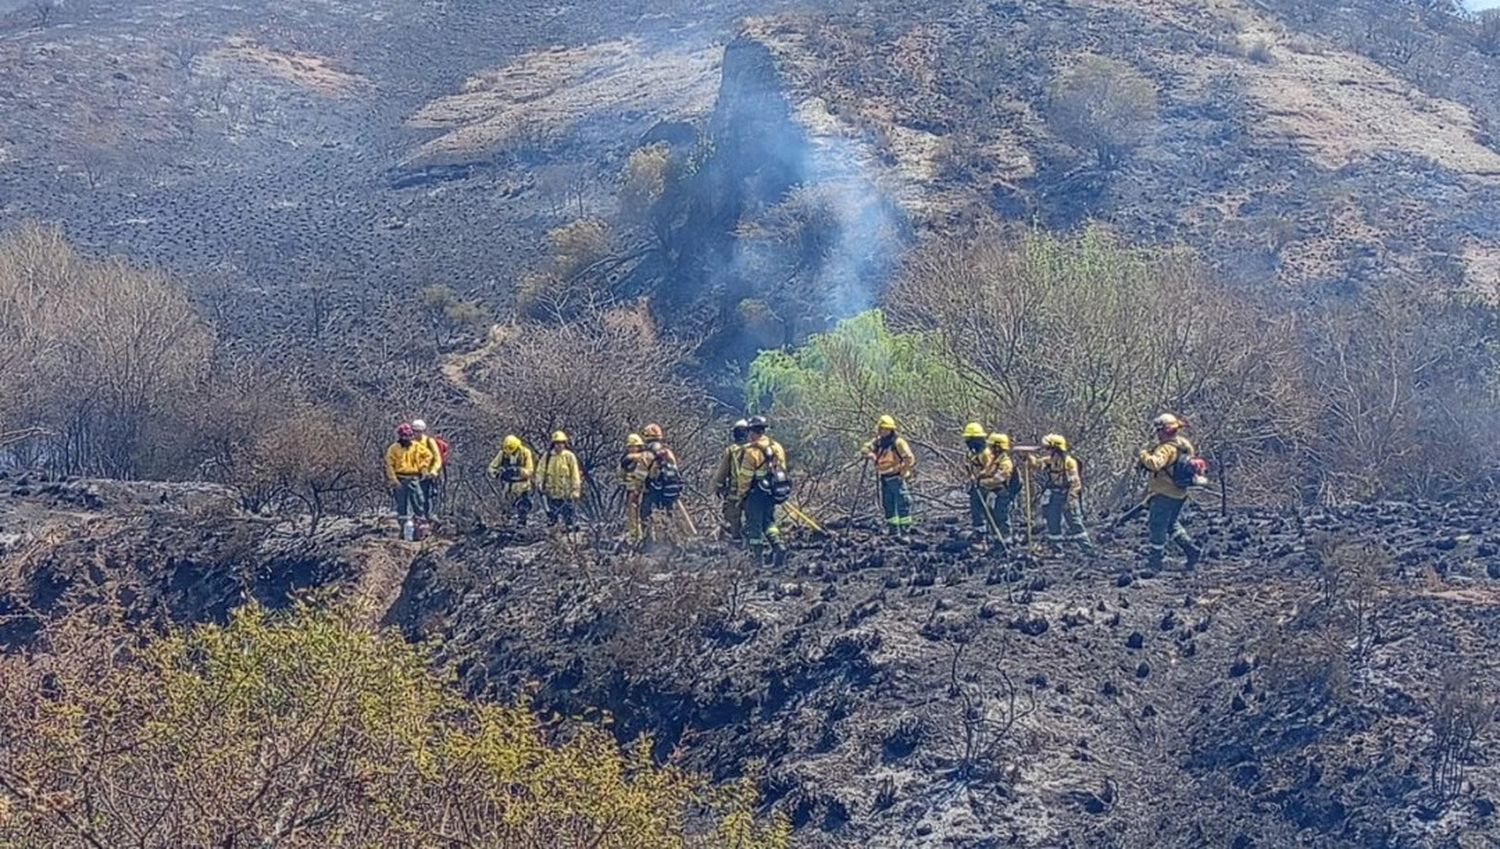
(797, 513)
(854, 498)
(1130, 514)
(1030, 518)
(989, 516)
(686, 517)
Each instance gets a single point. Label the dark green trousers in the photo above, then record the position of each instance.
(761, 531)
(895, 500)
(1164, 522)
(1061, 511)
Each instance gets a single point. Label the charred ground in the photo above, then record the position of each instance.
(1321, 681)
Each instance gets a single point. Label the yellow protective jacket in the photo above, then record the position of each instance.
(521, 459)
(727, 475)
(633, 469)
(413, 458)
(1059, 473)
(437, 455)
(1158, 461)
(561, 476)
(998, 472)
(755, 463)
(976, 463)
(892, 457)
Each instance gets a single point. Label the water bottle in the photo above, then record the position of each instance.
(409, 530)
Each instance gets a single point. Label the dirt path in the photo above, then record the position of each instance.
(386, 563)
(455, 368)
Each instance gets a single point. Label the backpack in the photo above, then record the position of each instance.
(442, 447)
(1189, 471)
(777, 482)
(668, 479)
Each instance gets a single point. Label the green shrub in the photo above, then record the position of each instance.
(305, 730)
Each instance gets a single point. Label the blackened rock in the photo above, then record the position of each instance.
(1031, 626)
(1143, 670)
(1135, 641)
(953, 546)
(1240, 668)
(1169, 621)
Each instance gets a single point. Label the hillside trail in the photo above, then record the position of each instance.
(383, 564)
(455, 367)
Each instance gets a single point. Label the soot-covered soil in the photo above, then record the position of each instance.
(1324, 680)
(1302, 688)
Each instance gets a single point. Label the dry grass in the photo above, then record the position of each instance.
(315, 73)
(544, 93)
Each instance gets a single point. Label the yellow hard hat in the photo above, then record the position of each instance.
(1000, 440)
(559, 436)
(1167, 421)
(886, 423)
(1055, 440)
(974, 430)
(651, 431)
(635, 441)
(512, 444)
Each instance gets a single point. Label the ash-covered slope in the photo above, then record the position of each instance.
(1295, 691)
(1324, 680)
(175, 553)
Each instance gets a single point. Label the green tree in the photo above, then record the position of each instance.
(827, 394)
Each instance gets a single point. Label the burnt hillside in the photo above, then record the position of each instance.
(1324, 680)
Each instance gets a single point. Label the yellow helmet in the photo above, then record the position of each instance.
(635, 441)
(974, 430)
(1167, 421)
(559, 436)
(886, 423)
(512, 444)
(652, 431)
(1000, 440)
(1055, 440)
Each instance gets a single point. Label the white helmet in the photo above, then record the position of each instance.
(419, 425)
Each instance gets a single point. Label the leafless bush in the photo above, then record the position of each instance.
(1104, 105)
(599, 378)
(114, 350)
(987, 716)
(43, 10)
(1460, 716)
(1488, 31)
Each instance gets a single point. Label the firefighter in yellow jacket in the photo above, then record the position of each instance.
(561, 482)
(1062, 492)
(514, 466)
(1165, 499)
(634, 467)
(407, 461)
(726, 480)
(998, 484)
(760, 462)
(976, 440)
(894, 465)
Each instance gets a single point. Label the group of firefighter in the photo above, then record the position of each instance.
(752, 481)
